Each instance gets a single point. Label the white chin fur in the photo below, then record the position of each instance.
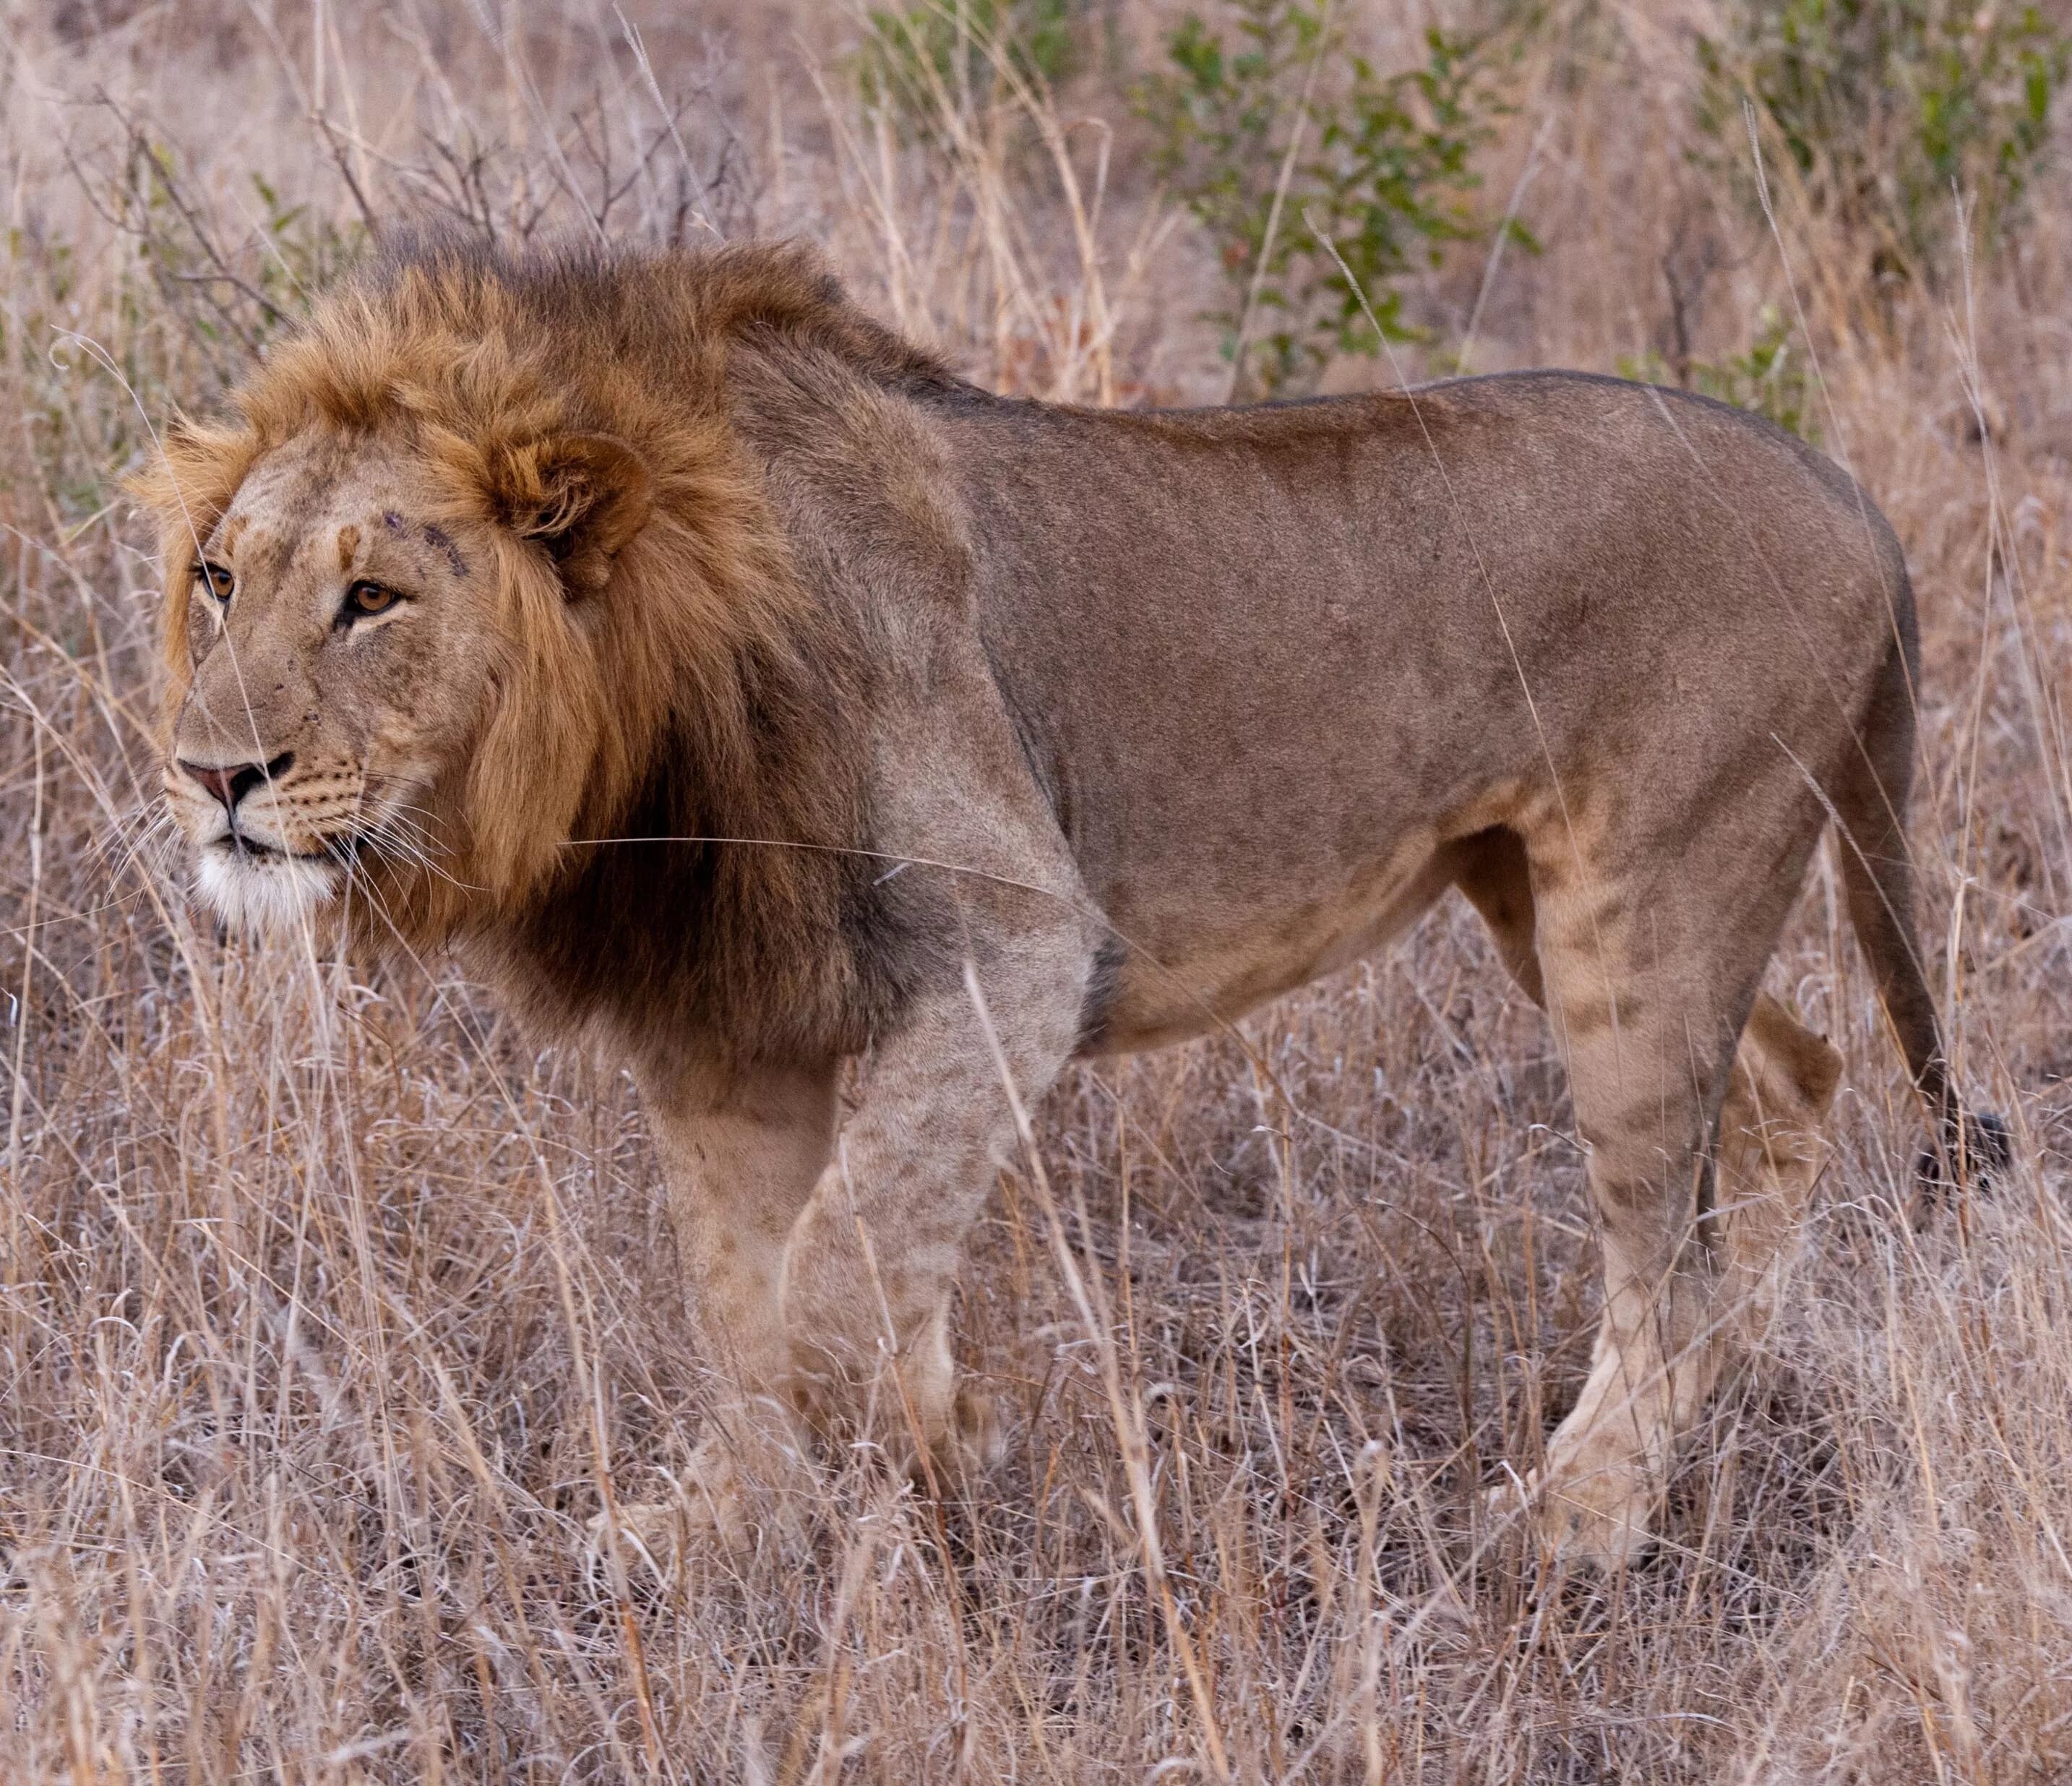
(266, 893)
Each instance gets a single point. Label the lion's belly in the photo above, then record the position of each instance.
(1187, 970)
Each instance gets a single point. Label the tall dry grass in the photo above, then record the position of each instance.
(330, 1303)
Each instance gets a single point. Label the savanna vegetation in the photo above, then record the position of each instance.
(330, 1304)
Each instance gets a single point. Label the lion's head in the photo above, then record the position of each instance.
(371, 658)
(474, 550)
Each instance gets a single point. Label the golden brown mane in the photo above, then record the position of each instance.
(681, 683)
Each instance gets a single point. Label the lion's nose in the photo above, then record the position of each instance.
(234, 780)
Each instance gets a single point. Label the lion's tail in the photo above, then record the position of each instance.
(1870, 803)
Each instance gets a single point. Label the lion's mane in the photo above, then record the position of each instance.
(689, 687)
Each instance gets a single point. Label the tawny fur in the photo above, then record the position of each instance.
(750, 694)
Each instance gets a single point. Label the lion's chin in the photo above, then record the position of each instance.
(265, 891)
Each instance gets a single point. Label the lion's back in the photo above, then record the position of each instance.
(1254, 656)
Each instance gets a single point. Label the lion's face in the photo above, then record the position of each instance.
(340, 631)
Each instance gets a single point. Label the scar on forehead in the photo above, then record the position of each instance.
(348, 544)
(391, 520)
(439, 540)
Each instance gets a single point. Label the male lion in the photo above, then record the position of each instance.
(724, 680)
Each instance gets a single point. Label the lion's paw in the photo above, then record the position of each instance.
(957, 1447)
(714, 1507)
(654, 1537)
(1598, 1523)
(977, 1443)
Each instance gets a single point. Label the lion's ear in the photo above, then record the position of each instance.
(584, 497)
(189, 481)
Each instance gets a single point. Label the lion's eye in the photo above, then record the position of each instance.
(364, 600)
(213, 577)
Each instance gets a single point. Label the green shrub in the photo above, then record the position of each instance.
(1884, 105)
(1383, 168)
(232, 290)
(1770, 378)
(911, 59)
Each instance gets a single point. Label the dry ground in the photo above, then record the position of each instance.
(328, 1300)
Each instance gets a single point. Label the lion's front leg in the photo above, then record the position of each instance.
(869, 1272)
(741, 1153)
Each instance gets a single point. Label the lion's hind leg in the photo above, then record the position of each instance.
(1646, 977)
(1769, 1147)
(1768, 1155)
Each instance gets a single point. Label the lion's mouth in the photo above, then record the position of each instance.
(259, 887)
(338, 850)
(240, 847)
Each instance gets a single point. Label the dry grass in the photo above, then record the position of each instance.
(326, 1303)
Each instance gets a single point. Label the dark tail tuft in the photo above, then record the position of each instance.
(1975, 1152)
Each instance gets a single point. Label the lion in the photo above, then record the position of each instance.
(733, 688)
